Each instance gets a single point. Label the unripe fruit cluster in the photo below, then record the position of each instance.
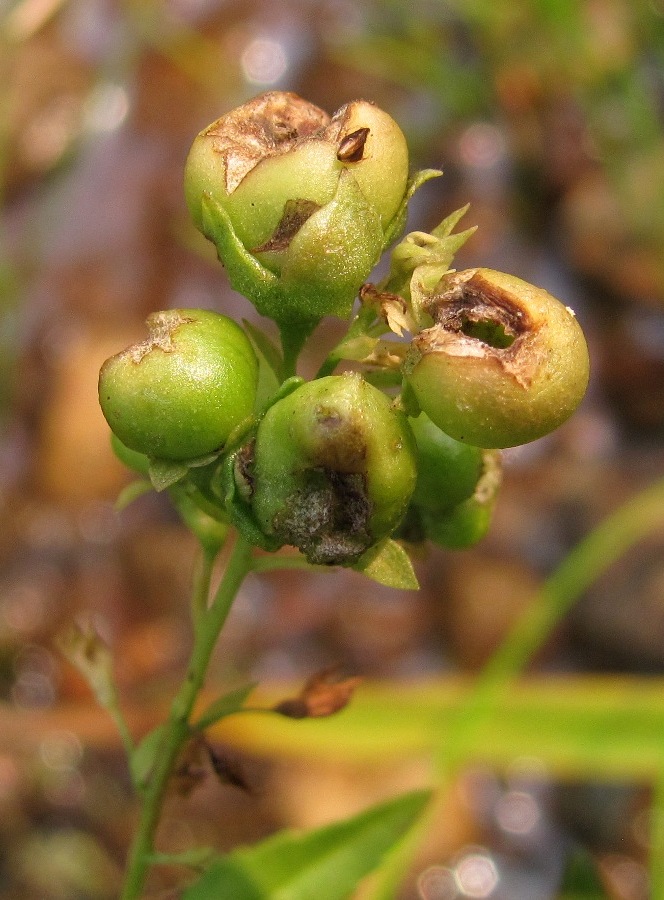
(300, 206)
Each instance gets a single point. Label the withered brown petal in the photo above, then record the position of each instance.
(322, 695)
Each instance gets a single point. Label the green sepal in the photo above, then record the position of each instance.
(329, 258)
(132, 492)
(267, 349)
(224, 484)
(224, 706)
(132, 459)
(398, 223)
(312, 281)
(238, 509)
(468, 521)
(460, 528)
(164, 473)
(388, 564)
(420, 260)
(409, 402)
(245, 273)
(287, 387)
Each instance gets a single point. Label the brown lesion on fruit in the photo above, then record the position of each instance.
(477, 318)
(161, 327)
(328, 517)
(243, 463)
(271, 124)
(339, 442)
(296, 213)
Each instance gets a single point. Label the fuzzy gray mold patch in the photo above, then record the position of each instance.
(328, 519)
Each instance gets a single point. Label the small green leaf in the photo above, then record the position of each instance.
(326, 864)
(266, 348)
(224, 706)
(245, 273)
(143, 757)
(164, 473)
(389, 564)
(132, 492)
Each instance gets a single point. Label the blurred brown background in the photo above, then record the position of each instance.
(547, 116)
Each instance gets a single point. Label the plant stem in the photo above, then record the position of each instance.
(293, 339)
(201, 588)
(177, 729)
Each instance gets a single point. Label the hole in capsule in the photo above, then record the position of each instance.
(492, 333)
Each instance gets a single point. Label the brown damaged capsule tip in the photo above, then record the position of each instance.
(351, 148)
(505, 362)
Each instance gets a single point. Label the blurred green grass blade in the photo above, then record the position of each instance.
(603, 727)
(634, 520)
(326, 863)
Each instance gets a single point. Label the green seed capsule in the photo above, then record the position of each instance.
(297, 203)
(505, 363)
(332, 469)
(447, 470)
(180, 393)
(466, 523)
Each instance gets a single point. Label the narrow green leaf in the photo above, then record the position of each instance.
(326, 864)
(143, 757)
(224, 706)
(389, 564)
(450, 222)
(132, 492)
(164, 473)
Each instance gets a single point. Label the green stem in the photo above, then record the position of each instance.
(293, 339)
(177, 728)
(201, 588)
(270, 563)
(125, 734)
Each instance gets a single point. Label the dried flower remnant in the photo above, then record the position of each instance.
(324, 694)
